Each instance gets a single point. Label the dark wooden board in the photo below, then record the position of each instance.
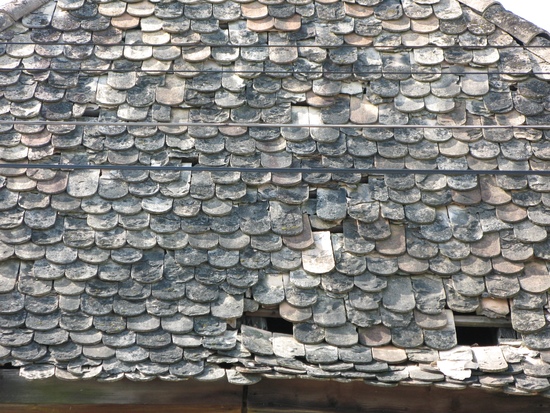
(306, 396)
(18, 395)
(173, 396)
(113, 408)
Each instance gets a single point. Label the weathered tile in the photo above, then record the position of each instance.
(430, 321)
(511, 213)
(321, 354)
(83, 183)
(493, 307)
(346, 262)
(488, 246)
(99, 240)
(302, 241)
(419, 374)
(375, 336)
(389, 354)
(395, 244)
(342, 336)
(531, 384)
(429, 294)
(527, 232)
(329, 312)
(285, 220)
(408, 337)
(534, 278)
(501, 285)
(489, 359)
(308, 333)
(320, 259)
(440, 230)
(444, 338)
(294, 314)
(464, 225)
(331, 204)
(398, 295)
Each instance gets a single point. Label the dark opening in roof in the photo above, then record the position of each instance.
(482, 336)
(279, 325)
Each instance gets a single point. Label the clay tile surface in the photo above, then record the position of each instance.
(390, 188)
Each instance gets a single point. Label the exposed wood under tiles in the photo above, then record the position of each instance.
(268, 396)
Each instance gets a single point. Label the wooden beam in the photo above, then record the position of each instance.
(53, 395)
(269, 396)
(481, 321)
(309, 396)
(265, 313)
(108, 408)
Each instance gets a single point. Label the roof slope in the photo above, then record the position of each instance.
(112, 273)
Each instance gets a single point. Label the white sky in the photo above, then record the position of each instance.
(536, 11)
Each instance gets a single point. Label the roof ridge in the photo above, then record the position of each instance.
(13, 10)
(518, 27)
(479, 5)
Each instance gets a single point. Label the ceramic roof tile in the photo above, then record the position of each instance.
(493, 307)
(398, 295)
(430, 321)
(375, 336)
(389, 354)
(528, 301)
(424, 25)
(150, 254)
(489, 359)
(443, 339)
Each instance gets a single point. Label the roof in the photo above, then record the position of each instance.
(143, 273)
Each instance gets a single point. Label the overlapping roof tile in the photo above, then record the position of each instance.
(142, 273)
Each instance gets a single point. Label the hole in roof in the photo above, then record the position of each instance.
(544, 36)
(481, 336)
(258, 322)
(91, 112)
(225, 365)
(507, 334)
(9, 366)
(188, 159)
(279, 325)
(338, 228)
(303, 359)
(513, 88)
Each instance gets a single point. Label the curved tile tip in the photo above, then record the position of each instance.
(515, 25)
(13, 10)
(479, 5)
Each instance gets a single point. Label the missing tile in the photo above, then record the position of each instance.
(279, 325)
(481, 336)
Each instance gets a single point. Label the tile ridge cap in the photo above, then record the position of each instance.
(516, 26)
(13, 10)
(479, 5)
